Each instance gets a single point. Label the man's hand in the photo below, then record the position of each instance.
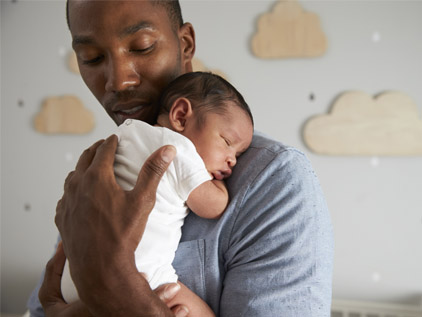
(101, 226)
(50, 294)
(55, 306)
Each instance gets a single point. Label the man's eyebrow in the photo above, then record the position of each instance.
(81, 40)
(135, 28)
(84, 40)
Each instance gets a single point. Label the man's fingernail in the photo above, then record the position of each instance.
(171, 291)
(182, 312)
(168, 154)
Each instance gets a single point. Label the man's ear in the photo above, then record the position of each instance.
(180, 112)
(187, 45)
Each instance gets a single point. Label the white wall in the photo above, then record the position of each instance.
(376, 208)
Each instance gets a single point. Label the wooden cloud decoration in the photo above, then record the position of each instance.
(288, 31)
(64, 115)
(358, 124)
(199, 66)
(72, 62)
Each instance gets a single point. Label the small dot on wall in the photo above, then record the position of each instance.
(311, 96)
(68, 157)
(375, 162)
(376, 277)
(21, 103)
(62, 51)
(27, 207)
(376, 37)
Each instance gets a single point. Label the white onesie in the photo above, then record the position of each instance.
(155, 253)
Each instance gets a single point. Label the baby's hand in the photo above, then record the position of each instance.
(179, 298)
(167, 293)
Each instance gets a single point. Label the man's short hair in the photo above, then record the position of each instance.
(172, 8)
(174, 11)
(207, 92)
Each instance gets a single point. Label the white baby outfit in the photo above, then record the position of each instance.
(155, 253)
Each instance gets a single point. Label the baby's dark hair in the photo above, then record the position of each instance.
(207, 92)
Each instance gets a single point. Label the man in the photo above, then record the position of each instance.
(270, 254)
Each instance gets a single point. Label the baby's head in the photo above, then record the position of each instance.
(210, 112)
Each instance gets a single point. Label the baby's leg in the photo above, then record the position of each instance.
(197, 307)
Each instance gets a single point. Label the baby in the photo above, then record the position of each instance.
(210, 124)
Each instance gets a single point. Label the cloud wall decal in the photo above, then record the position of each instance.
(288, 31)
(72, 62)
(64, 115)
(199, 66)
(359, 124)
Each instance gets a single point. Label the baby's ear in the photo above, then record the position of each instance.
(180, 112)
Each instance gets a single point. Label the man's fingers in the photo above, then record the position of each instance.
(56, 265)
(78, 309)
(104, 156)
(87, 156)
(69, 176)
(50, 293)
(106, 151)
(67, 181)
(151, 172)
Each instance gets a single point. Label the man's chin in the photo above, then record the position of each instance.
(144, 116)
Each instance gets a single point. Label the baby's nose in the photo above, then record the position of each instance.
(231, 161)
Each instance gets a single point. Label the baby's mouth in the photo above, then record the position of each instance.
(218, 176)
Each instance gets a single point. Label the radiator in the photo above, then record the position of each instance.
(346, 308)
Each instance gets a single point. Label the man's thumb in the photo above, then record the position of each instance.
(153, 169)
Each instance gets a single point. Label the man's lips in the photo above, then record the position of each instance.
(129, 111)
(129, 106)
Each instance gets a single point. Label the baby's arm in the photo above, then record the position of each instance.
(209, 200)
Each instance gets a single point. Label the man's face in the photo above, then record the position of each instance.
(127, 53)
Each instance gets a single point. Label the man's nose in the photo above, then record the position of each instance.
(121, 74)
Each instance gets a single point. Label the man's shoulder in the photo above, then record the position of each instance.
(267, 167)
(263, 141)
(266, 152)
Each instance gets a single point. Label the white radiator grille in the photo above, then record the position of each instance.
(342, 308)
